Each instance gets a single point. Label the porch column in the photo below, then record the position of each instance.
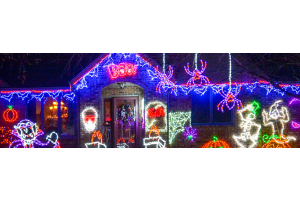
(43, 114)
(59, 114)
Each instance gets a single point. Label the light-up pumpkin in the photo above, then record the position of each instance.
(10, 114)
(278, 143)
(216, 143)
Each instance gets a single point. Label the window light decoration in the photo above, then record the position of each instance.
(177, 122)
(10, 115)
(89, 117)
(160, 120)
(27, 133)
(190, 134)
(156, 140)
(121, 70)
(277, 118)
(248, 125)
(216, 143)
(96, 144)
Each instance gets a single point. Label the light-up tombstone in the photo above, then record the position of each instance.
(248, 138)
(277, 118)
(89, 117)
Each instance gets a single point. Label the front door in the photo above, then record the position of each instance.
(125, 122)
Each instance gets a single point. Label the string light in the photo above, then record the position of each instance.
(273, 117)
(190, 134)
(177, 122)
(27, 133)
(266, 138)
(230, 98)
(196, 61)
(156, 140)
(164, 63)
(294, 124)
(154, 113)
(98, 144)
(247, 124)
(5, 135)
(89, 120)
(13, 112)
(121, 70)
(165, 83)
(195, 75)
(216, 143)
(160, 122)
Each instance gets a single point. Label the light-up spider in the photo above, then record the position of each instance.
(165, 81)
(196, 75)
(28, 132)
(230, 97)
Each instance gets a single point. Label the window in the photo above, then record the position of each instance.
(205, 111)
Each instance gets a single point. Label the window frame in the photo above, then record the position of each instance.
(211, 107)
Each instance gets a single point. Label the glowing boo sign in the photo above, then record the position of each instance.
(89, 116)
(123, 69)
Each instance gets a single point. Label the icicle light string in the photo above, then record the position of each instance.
(196, 58)
(229, 72)
(164, 63)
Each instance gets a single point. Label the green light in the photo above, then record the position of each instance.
(215, 138)
(255, 106)
(266, 138)
(10, 107)
(190, 137)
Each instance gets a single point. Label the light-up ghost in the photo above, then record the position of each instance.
(28, 132)
(89, 117)
(248, 124)
(276, 119)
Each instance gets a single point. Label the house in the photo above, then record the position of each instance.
(123, 100)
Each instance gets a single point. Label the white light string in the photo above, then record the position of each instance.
(164, 62)
(229, 72)
(196, 58)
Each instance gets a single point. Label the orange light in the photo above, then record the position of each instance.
(62, 103)
(55, 107)
(51, 108)
(55, 103)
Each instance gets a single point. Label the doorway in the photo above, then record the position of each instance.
(123, 115)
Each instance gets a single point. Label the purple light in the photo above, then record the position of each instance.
(190, 134)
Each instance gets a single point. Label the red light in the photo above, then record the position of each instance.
(153, 113)
(123, 69)
(90, 118)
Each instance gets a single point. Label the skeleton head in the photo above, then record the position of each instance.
(90, 117)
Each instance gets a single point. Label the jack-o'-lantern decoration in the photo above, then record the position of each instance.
(216, 143)
(10, 114)
(97, 135)
(277, 143)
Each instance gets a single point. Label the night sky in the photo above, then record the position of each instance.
(56, 70)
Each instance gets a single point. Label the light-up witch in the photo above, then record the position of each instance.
(246, 139)
(276, 118)
(27, 133)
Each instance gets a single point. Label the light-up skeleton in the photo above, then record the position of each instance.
(154, 140)
(247, 124)
(97, 144)
(276, 119)
(28, 132)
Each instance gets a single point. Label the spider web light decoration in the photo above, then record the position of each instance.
(177, 122)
